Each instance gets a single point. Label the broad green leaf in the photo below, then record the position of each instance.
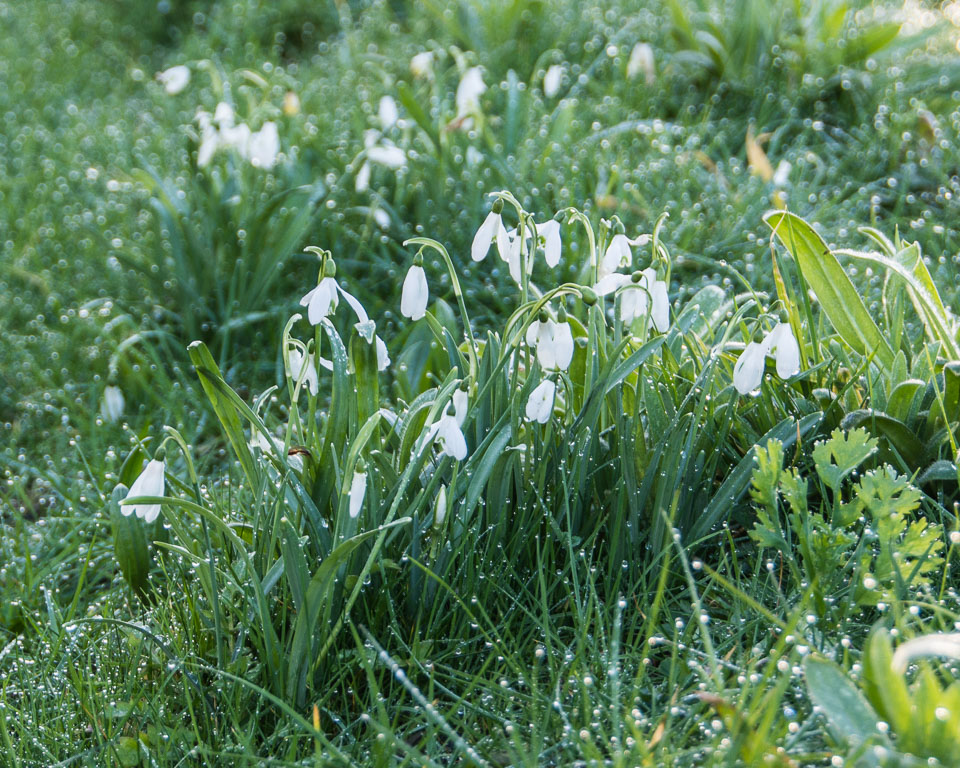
(848, 714)
(129, 544)
(824, 274)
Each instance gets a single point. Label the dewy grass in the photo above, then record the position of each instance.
(503, 511)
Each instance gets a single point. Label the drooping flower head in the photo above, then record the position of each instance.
(416, 293)
(540, 403)
(149, 483)
(553, 342)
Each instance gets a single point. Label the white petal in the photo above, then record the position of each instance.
(748, 371)
(265, 146)
(550, 232)
(358, 488)
(460, 405)
(661, 306)
(149, 483)
(484, 236)
(641, 62)
(389, 156)
(451, 439)
(362, 183)
(111, 407)
(416, 292)
(387, 112)
(546, 353)
(174, 79)
(504, 242)
(322, 300)
(562, 345)
(421, 65)
(540, 403)
(209, 143)
(223, 115)
(533, 333)
(785, 350)
(469, 91)
(610, 283)
(552, 81)
(617, 255)
(355, 305)
(383, 356)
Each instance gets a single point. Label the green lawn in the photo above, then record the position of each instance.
(561, 525)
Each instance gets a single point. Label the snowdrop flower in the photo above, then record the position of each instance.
(540, 403)
(619, 253)
(223, 115)
(782, 175)
(553, 342)
(236, 137)
(552, 81)
(383, 355)
(641, 63)
(492, 228)
(549, 232)
(358, 488)
(413, 301)
(111, 407)
(928, 645)
(447, 429)
(264, 146)
(421, 65)
(382, 152)
(469, 90)
(149, 483)
(387, 113)
(322, 301)
(296, 369)
(748, 371)
(174, 79)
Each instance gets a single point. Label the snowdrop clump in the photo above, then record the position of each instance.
(782, 344)
(221, 132)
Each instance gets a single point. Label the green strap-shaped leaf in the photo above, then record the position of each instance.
(226, 412)
(839, 299)
(129, 544)
(848, 714)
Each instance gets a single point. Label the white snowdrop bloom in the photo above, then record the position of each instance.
(322, 301)
(491, 228)
(382, 218)
(940, 644)
(111, 407)
(549, 232)
(175, 79)
(448, 435)
(421, 65)
(748, 371)
(619, 253)
(149, 483)
(782, 175)
(781, 343)
(362, 183)
(540, 403)
(223, 115)
(383, 355)
(785, 350)
(416, 293)
(296, 369)
(474, 156)
(469, 90)
(358, 489)
(236, 137)
(610, 283)
(387, 155)
(460, 401)
(552, 80)
(641, 62)
(387, 113)
(264, 146)
(553, 342)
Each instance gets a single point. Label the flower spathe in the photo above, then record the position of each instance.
(553, 342)
(540, 403)
(358, 489)
(781, 343)
(416, 293)
(149, 483)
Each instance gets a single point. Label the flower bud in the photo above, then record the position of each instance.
(440, 508)
(497, 206)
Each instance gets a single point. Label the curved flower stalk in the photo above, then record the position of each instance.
(150, 482)
(780, 342)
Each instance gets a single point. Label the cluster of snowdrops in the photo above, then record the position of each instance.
(641, 305)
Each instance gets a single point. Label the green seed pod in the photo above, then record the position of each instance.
(497, 205)
(588, 295)
(129, 545)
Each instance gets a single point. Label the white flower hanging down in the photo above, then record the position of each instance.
(421, 65)
(264, 146)
(639, 293)
(175, 79)
(780, 342)
(619, 253)
(358, 489)
(111, 407)
(469, 90)
(552, 81)
(310, 377)
(387, 113)
(149, 483)
(540, 403)
(553, 342)
(446, 430)
(492, 228)
(641, 62)
(416, 293)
